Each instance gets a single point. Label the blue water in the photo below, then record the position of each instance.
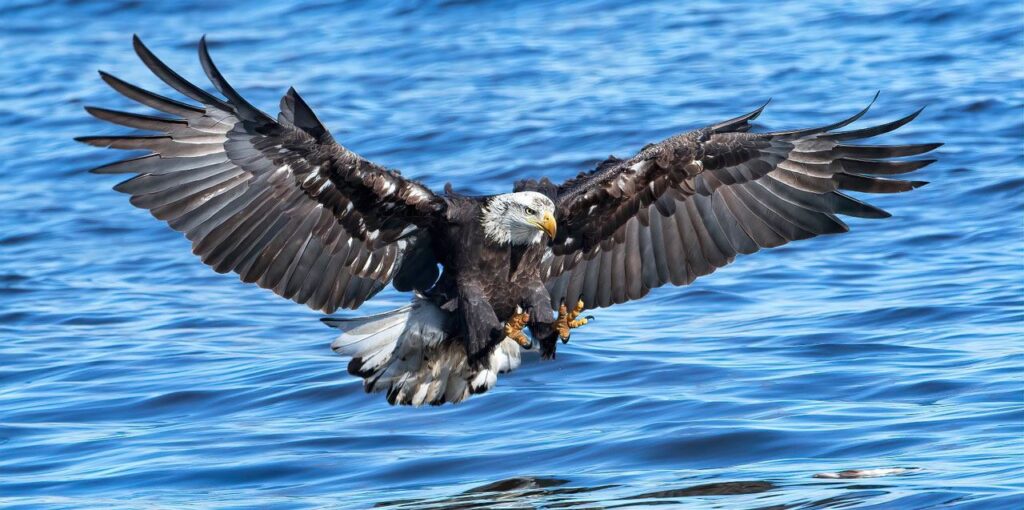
(133, 376)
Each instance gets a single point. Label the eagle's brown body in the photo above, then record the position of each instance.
(484, 284)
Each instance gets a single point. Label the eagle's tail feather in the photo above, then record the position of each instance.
(407, 354)
(362, 333)
(368, 340)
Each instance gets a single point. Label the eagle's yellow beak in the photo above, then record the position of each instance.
(548, 225)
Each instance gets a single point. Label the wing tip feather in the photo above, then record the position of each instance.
(741, 123)
(240, 105)
(102, 142)
(757, 112)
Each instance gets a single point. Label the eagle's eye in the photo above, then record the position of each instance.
(530, 211)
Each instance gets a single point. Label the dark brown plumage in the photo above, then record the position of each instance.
(278, 202)
(282, 204)
(688, 205)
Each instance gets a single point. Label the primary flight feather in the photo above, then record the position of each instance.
(283, 205)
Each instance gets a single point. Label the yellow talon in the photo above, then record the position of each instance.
(568, 320)
(514, 329)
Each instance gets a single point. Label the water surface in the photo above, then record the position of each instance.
(133, 376)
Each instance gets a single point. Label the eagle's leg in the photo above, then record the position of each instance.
(480, 327)
(514, 328)
(537, 302)
(567, 320)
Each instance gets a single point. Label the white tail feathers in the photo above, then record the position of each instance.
(407, 353)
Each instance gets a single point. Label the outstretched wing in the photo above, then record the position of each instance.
(686, 206)
(277, 201)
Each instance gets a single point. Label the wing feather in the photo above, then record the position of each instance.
(688, 205)
(277, 201)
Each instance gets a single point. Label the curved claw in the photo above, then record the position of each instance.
(568, 320)
(514, 330)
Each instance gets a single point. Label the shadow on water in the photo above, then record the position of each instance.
(557, 493)
(551, 492)
(511, 490)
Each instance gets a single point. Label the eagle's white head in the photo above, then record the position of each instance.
(519, 218)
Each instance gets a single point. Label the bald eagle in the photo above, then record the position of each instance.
(285, 206)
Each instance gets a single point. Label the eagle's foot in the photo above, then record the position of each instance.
(567, 320)
(514, 329)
